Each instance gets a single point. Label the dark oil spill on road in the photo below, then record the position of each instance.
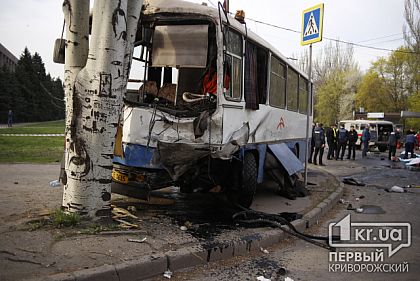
(206, 215)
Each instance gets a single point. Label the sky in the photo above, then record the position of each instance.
(37, 23)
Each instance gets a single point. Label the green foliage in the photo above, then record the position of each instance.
(373, 93)
(414, 105)
(59, 218)
(29, 92)
(328, 98)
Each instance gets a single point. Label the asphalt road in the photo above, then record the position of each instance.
(300, 260)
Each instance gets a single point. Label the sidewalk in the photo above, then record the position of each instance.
(94, 253)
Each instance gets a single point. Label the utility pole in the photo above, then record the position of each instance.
(312, 19)
(95, 83)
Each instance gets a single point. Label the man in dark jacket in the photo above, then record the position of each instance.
(331, 134)
(342, 141)
(365, 141)
(352, 142)
(410, 141)
(392, 144)
(319, 138)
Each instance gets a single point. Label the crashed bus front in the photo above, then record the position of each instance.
(213, 107)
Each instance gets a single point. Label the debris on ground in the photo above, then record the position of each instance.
(167, 274)
(55, 183)
(352, 181)
(137, 240)
(396, 189)
(119, 214)
(183, 228)
(188, 224)
(359, 210)
(372, 209)
(262, 278)
(132, 209)
(288, 279)
(350, 207)
(342, 201)
(265, 251)
(282, 271)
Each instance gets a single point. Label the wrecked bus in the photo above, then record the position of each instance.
(217, 107)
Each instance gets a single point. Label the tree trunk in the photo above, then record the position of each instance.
(94, 93)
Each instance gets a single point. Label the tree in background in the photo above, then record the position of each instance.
(336, 78)
(412, 40)
(32, 94)
(385, 87)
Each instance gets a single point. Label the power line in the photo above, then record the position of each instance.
(338, 40)
(381, 37)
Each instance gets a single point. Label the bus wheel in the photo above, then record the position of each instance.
(247, 182)
(382, 148)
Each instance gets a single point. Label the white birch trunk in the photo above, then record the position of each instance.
(94, 101)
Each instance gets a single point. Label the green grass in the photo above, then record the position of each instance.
(32, 149)
(59, 219)
(50, 127)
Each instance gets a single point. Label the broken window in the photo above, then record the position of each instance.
(172, 46)
(256, 60)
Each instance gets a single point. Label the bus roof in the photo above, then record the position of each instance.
(184, 7)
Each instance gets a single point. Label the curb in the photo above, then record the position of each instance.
(150, 266)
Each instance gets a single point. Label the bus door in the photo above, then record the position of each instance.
(373, 132)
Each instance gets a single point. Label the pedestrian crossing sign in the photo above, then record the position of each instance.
(312, 24)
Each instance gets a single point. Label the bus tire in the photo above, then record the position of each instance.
(247, 184)
(382, 148)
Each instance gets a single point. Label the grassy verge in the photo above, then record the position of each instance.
(50, 127)
(32, 149)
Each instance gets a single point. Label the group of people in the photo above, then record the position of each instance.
(337, 140)
(340, 139)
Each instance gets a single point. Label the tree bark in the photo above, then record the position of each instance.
(94, 94)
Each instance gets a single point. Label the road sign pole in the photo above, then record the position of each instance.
(308, 112)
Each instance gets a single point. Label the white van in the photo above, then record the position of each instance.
(379, 131)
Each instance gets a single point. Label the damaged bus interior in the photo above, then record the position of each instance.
(215, 106)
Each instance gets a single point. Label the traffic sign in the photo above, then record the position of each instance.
(312, 24)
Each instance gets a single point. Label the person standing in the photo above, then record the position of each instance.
(342, 141)
(418, 139)
(365, 141)
(392, 145)
(10, 118)
(331, 134)
(312, 144)
(319, 137)
(410, 141)
(352, 142)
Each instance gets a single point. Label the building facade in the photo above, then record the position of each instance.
(7, 58)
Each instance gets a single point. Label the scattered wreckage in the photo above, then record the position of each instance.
(217, 106)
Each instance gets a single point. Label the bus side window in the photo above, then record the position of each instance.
(256, 68)
(303, 95)
(277, 83)
(232, 69)
(292, 89)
